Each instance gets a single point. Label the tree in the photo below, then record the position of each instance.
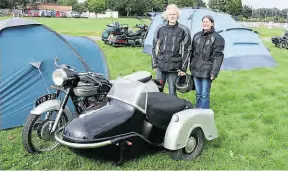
(188, 3)
(158, 5)
(200, 3)
(80, 7)
(67, 2)
(232, 7)
(97, 6)
(246, 11)
(10, 4)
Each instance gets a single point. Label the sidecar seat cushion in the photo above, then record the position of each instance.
(162, 106)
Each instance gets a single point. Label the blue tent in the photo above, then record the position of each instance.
(243, 47)
(27, 52)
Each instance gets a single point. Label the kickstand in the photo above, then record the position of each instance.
(122, 153)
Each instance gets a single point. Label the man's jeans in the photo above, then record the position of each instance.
(170, 77)
(202, 86)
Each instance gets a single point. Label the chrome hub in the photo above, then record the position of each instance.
(45, 131)
(191, 145)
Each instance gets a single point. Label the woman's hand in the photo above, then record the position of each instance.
(212, 77)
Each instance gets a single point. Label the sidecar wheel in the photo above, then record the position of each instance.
(193, 148)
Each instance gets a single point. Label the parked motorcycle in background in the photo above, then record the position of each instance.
(134, 39)
(115, 29)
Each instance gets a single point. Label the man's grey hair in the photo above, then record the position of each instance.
(169, 7)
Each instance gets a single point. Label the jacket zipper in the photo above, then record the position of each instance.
(165, 43)
(173, 43)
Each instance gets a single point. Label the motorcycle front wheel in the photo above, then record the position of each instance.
(35, 134)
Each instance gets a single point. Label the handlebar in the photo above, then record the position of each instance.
(56, 60)
(74, 70)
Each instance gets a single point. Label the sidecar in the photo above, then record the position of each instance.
(131, 113)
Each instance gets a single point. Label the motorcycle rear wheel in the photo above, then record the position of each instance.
(41, 131)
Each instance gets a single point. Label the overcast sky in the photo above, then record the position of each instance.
(280, 4)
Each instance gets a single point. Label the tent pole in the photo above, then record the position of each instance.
(44, 81)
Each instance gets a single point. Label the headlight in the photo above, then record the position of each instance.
(59, 76)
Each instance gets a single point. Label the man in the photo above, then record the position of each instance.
(171, 47)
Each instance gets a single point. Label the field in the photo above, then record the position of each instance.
(268, 33)
(83, 27)
(251, 114)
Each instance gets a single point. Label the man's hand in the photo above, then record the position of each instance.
(155, 69)
(181, 73)
(212, 77)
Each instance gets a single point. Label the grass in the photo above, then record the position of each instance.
(268, 33)
(94, 27)
(83, 27)
(251, 114)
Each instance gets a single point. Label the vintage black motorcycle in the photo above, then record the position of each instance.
(87, 91)
(134, 39)
(116, 29)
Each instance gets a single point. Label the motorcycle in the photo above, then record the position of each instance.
(134, 117)
(115, 29)
(87, 90)
(135, 39)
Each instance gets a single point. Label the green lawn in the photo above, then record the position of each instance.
(251, 114)
(268, 33)
(80, 27)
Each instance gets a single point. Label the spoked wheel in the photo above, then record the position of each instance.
(36, 136)
(193, 148)
(283, 45)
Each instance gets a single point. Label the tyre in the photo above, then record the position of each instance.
(193, 148)
(283, 45)
(39, 130)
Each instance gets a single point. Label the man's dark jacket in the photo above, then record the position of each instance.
(171, 48)
(207, 54)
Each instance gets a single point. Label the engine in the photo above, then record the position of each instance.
(84, 104)
(90, 93)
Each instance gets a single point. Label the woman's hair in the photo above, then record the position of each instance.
(209, 17)
(170, 6)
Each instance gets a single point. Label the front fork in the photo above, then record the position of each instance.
(49, 113)
(62, 107)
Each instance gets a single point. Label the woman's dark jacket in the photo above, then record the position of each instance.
(207, 54)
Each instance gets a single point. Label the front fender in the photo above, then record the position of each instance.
(180, 128)
(51, 105)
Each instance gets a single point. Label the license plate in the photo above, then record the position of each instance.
(45, 98)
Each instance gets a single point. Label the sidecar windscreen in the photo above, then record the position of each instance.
(131, 92)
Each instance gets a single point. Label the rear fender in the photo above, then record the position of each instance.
(51, 105)
(184, 122)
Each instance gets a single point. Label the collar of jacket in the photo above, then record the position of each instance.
(208, 32)
(172, 26)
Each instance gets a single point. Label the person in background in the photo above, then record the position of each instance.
(171, 49)
(206, 60)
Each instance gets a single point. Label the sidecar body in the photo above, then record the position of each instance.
(132, 112)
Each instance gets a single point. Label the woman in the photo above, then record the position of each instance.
(206, 60)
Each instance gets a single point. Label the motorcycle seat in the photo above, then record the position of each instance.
(138, 33)
(142, 76)
(161, 107)
(133, 38)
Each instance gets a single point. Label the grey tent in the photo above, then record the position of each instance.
(243, 47)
